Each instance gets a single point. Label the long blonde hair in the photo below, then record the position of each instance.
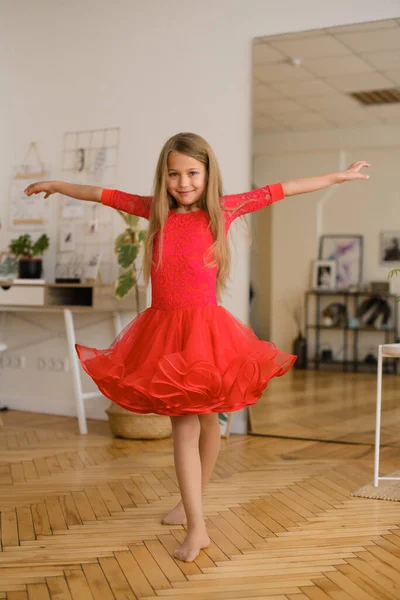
(196, 147)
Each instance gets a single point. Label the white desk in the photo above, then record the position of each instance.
(67, 299)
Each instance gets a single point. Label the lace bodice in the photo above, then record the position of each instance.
(183, 280)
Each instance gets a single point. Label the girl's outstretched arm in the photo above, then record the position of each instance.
(312, 184)
(130, 203)
(80, 192)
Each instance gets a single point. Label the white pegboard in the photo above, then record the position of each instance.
(89, 157)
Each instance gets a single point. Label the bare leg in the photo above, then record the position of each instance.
(186, 433)
(209, 446)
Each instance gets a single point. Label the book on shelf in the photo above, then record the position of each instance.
(29, 281)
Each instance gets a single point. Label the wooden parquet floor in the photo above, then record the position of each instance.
(80, 519)
(328, 406)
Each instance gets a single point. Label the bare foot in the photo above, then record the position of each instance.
(193, 543)
(177, 516)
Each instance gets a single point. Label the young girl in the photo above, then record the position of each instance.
(186, 356)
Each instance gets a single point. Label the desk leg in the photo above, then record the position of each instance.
(75, 368)
(117, 323)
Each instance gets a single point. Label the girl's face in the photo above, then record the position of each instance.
(186, 180)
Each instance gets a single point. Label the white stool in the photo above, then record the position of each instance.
(3, 348)
(384, 351)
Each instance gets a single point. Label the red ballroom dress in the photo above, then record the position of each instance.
(186, 354)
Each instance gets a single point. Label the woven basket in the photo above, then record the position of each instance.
(133, 426)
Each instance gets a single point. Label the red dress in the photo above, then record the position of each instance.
(185, 354)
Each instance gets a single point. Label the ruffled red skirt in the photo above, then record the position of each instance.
(185, 361)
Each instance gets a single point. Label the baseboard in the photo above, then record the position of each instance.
(49, 407)
(95, 409)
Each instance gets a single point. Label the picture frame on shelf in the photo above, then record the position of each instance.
(324, 275)
(8, 266)
(347, 252)
(92, 268)
(389, 248)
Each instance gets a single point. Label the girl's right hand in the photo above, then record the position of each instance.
(46, 187)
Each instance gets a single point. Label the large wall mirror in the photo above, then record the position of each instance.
(321, 100)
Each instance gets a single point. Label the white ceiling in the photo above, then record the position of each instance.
(334, 62)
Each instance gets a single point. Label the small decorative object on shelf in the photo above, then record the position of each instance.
(299, 349)
(29, 255)
(326, 354)
(299, 346)
(334, 315)
(375, 287)
(324, 275)
(374, 311)
(69, 268)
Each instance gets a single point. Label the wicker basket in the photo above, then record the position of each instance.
(133, 426)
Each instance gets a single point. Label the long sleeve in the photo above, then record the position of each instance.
(129, 203)
(238, 205)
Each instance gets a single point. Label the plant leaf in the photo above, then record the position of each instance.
(126, 255)
(123, 239)
(393, 273)
(124, 284)
(131, 220)
(142, 236)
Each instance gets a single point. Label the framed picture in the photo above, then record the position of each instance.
(324, 275)
(92, 267)
(347, 252)
(8, 266)
(389, 247)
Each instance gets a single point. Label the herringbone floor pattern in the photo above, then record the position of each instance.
(80, 519)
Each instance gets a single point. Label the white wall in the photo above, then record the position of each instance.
(365, 208)
(152, 68)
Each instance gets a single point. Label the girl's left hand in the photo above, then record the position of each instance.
(353, 172)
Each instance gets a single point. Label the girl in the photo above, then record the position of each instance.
(186, 356)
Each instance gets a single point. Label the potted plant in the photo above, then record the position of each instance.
(29, 255)
(127, 247)
(124, 423)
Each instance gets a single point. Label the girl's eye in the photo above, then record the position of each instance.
(172, 174)
(193, 173)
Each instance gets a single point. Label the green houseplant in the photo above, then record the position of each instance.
(127, 247)
(29, 254)
(124, 423)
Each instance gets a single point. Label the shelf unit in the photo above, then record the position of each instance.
(350, 335)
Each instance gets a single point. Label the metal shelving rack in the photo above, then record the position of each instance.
(351, 335)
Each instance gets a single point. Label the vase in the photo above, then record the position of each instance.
(300, 350)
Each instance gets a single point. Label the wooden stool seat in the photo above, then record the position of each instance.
(391, 351)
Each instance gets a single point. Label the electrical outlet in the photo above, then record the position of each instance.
(18, 362)
(12, 361)
(5, 360)
(58, 365)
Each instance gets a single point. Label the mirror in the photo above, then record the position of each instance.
(321, 100)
